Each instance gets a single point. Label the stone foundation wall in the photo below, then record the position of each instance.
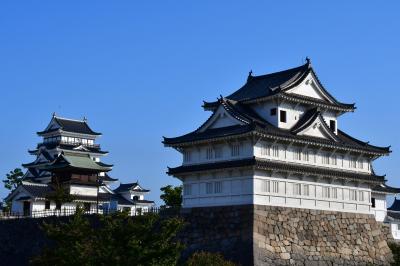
(248, 234)
(284, 236)
(266, 235)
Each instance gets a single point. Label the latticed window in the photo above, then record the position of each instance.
(235, 150)
(265, 185)
(275, 186)
(353, 194)
(334, 194)
(352, 162)
(297, 154)
(218, 187)
(297, 189)
(361, 195)
(265, 149)
(305, 155)
(333, 160)
(275, 151)
(360, 164)
(187, 189)
(187, 156)
(306, 190)
(210, 153)
(325, 192)
(325, 159)
(209, 188)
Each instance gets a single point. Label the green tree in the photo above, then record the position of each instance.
(116, 239)
(13, 179)
(208, 259)
(59, 194)
(172, 196)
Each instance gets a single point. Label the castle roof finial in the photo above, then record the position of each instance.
(308, 60)
(84, 119)
(54, 114)
(250, 76)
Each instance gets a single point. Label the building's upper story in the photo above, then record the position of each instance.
(286, 116)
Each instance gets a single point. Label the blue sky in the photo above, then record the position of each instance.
(139, 70)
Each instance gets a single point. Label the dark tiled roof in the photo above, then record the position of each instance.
(265, 85)
(393, 215)
(123, 201)
(275, 85)
(395, 206)
(128, 187)
(108, 178)
(254, 124)
(37, 190)
(69, 147)
(276, 166)
(75, 126)
(386, 189)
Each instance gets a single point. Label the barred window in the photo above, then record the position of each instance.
(325, 159)
(218, 187)
(265, 185)
(352, 162)
(187, 189)
(275, 186)
(353, 194)
(334, 194)
(361, 195)
(297, 189)
(305, 156)
(265, 149)
(306, 190)
(325, 192)
(209, 188)
(297, 154)
(360, 164)
(333, 160)
(209, 153)
(235, 150)
(275, 151)
(187, 156)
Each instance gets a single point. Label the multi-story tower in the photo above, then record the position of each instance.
(276, 141)
(69, 158)
(63, 135)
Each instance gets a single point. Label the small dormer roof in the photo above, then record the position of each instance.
(130, 187)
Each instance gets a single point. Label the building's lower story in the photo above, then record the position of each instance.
(238, 187)
(39, 200)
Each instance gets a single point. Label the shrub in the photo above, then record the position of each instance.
(208, 259)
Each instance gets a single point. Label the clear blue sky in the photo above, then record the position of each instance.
(140, 70)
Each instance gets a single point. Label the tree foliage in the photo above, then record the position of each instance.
(59, 194)
(13, 179)
(115, 239)
(208, 259)
(395, 248)
(172, 196)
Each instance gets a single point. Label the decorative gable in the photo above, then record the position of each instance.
(221, 118)
(313, 124)
(311, 87)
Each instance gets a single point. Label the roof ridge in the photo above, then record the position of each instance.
(280, 72)
(70, 119)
